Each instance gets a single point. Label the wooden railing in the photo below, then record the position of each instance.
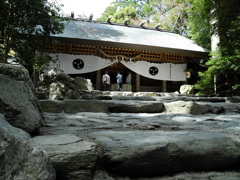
(111, 53)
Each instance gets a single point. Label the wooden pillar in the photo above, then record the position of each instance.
(164, 86)
(137, 82)
(164, 83)
(98, 80)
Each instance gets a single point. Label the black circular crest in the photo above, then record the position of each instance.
(78, 64)
(153, 70)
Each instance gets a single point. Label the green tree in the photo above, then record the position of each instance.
(132, 9)
(199, 18)
(141, 6)
(123, 14)
(170, 14)
(224, 66)
(108, 12)
(26, 26)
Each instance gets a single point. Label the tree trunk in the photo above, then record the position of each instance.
(215, 83)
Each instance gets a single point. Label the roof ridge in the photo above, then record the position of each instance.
(117, 24)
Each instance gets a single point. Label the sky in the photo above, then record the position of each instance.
(86, 7)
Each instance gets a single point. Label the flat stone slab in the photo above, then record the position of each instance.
(69, 154)
(174, 140)
(153, 153)
(51, 106)
(102, 175)
(105, 106)
(76, 106)
(135, 106)
(119, 102)
(198, 108)
(136, 98)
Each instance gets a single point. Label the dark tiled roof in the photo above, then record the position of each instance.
(99, 33)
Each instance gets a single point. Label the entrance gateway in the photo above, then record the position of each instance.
(153, 56)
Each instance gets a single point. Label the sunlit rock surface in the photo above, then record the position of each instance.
(56, 85)
(187, 89)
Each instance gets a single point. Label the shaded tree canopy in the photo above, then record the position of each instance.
(222, 76)
(170, 14)
(22, 19)
(198, 22)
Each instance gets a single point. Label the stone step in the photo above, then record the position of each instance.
(198, 108)
(117, 106)
(152, 96)
(154, 153)
(69, 154)
(137, 106)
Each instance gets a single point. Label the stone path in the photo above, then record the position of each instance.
(152, 136)
(133, 143)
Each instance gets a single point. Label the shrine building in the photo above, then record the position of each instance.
(158, 60)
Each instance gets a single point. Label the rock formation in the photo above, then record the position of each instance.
(17, 72)
(18, 159)
(192, 136)
(72, 157)
(54, 84)
(153, 153)
(17, 100)
(187, 89)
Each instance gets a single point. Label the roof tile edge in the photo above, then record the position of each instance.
(117, 24)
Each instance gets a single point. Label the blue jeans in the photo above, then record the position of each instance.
(119, 86)
(106, 87)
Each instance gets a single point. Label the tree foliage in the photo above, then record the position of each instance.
(108, 12)
(198, 22)
(225, 63)
(20, 20)
(123, 14)
(171, 14)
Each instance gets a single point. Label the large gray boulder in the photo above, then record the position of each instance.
(187, 89)
(57, 85)
(19, 105)
(84, 84)
(18, 159)
(17, 72)
(183, 107)
(73, 158)
(61, 91)
(153, 153)
(234, 99)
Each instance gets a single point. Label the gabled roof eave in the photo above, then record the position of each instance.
(202, 54)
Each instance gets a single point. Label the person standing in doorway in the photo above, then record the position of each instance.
(119, 81)
(129, 78)
(106, 81)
